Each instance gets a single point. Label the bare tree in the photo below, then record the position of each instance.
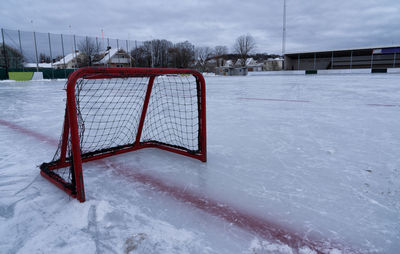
(141, 56)
(154, 53)
(89, 48)
(243, 46)
(220, 50)
(44, 58)
(182, 54)
(160, 52)
(203, 55)
(10, 57)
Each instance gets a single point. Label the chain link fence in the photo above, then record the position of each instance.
(57, 55)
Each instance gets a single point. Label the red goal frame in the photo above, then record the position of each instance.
(71, 130)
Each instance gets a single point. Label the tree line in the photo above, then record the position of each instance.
(161, 53)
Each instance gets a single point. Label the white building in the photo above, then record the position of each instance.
(273, 64)
(114, 57)
(251, 64)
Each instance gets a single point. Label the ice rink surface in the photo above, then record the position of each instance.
(316, 156)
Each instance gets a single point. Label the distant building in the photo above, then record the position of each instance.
(227, 63)
(70, 61)
(251, 64)
(373, 58)
(231, 71)
(114, 57)
(273, 64)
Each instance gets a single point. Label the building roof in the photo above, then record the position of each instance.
(343, 50)
(67, 58)
(228, 63)
(108, 54)
(249, 62)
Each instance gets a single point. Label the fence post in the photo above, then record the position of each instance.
(372, 60)
(108, 45)
(76, 56)
(152, 54)
(97, 45)
(394, 60)
(351, 60)
(332, 61)
(88, 51)
(315, 60)
(117, 53)
(135, 59)
(20, 50)
(62, 47)
(129, 54)
(298, 62)
(97, 51)
(37, 59)
(4, 53)
(51, 57)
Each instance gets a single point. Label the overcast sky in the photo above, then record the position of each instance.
(311, 24)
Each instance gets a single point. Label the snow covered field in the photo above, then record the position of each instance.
(296, 164)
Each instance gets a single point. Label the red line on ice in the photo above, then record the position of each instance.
(29, 132)
(267, 99)
(251, 223)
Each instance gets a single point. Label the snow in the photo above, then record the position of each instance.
(37, 76)
(318, 155)
(69, 57)
(41, 65)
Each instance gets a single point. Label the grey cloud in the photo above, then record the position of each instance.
(311, 25)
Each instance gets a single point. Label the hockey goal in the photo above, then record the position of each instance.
(110, 111)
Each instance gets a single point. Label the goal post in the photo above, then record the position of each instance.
(110, 111)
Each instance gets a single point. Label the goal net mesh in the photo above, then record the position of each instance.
(109, 111)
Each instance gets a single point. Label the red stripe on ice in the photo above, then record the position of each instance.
(257, 225)
(28, 132)
(254, 224)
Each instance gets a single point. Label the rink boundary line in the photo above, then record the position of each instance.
(382, 105)
(253, 224)
(307, 101)
(270, 99)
